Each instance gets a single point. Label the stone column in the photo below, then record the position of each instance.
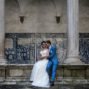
(73, 32)
(2, 31)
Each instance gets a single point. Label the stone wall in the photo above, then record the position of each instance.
(40, 24)
(23, 48)
(40, 16)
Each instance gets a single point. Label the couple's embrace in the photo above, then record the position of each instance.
(41, 69)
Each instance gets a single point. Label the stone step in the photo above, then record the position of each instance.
(27, 85)
(58, 86)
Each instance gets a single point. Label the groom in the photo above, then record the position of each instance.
(53, 61)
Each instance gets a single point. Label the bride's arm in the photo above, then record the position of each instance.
(42, 57)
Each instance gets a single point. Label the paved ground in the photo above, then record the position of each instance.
(55, 87)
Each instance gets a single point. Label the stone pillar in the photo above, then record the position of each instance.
(73, 32)
(2, 31)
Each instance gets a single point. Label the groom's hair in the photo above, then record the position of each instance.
(43, 42)
(48, 41)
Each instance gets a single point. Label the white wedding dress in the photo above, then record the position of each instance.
(39, 75)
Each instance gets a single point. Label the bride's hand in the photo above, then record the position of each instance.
(43, 57)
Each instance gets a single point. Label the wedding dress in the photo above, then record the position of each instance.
(39, 75)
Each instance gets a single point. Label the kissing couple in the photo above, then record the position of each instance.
(41, 69)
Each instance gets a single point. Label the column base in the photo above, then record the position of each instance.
(73, 61)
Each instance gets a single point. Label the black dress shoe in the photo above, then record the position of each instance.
(52, 83)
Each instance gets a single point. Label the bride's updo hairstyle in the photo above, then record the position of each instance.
(43, 42)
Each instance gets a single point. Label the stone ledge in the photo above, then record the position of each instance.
(29, 83)
(61, 65)
(65, 73)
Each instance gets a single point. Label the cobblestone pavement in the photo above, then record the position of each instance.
(55, 87)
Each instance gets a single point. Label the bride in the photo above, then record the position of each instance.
(39, 75)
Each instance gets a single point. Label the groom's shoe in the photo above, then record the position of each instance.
(52, 83)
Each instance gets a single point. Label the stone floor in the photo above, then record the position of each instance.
(58, 86)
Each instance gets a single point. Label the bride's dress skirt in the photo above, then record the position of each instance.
(39, 75)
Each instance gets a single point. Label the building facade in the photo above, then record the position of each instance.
(25, 23)
(28, 22)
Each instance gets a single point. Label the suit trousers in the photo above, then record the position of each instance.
(54, 66)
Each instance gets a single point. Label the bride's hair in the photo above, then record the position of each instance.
(43, 42)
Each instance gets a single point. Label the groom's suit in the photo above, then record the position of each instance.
(53, 62)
